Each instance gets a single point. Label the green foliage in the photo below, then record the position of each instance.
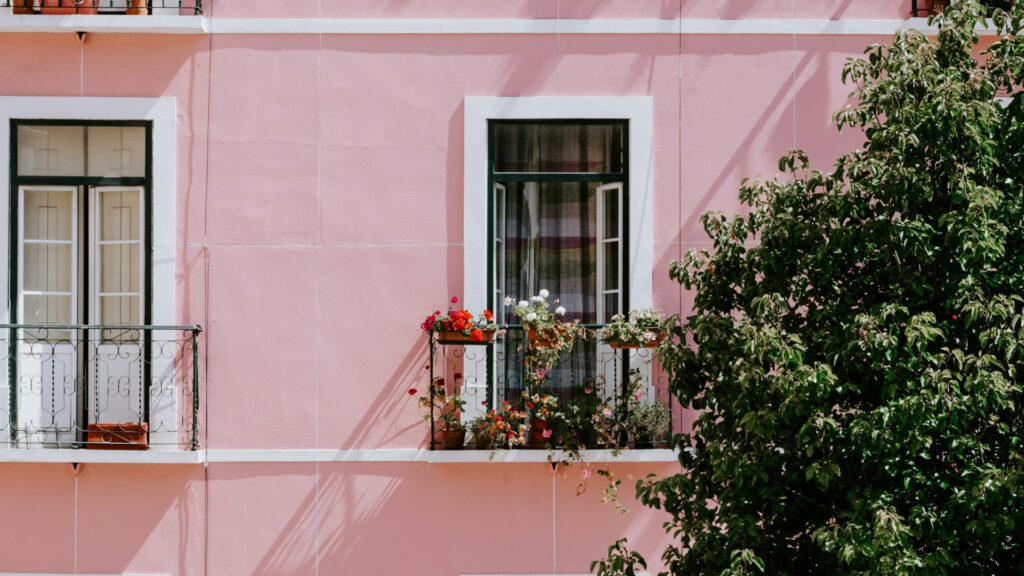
(857, 340)
(619, 562)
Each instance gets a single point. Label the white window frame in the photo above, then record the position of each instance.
(637, 110)
(161, 111)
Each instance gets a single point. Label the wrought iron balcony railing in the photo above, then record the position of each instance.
(922, 8)
(127, 7)
(99, 387)
(613, 398)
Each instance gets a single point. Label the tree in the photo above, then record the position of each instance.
(856, 347)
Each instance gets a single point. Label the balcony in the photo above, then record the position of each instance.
(99, 387)
(604, 397)
(106, 7)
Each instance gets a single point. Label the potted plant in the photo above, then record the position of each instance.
(647, 425)
(448, 433)
(69, 7)
(544, 327)
(459, 326)
(543, 411)
(640, 329)
(499, 429)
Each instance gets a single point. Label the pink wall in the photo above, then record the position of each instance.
(319, 217)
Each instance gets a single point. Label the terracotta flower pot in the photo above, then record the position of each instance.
(117, 436)
(450, 439)
(137, 7)
(22, 6)
(456, 337)
(69, 7)
(545, 340)
(537, 429)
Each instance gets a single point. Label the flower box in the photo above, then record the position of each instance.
(545, 340)
(450, 439)
(117, 436)
(457, 337)
(69, 7)
(654, 342)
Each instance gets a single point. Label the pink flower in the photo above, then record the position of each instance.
(455, 299)
(585, 473)
(636, 396)
(607, 412)
(587, 390)
(547, 433)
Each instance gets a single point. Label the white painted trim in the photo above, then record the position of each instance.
(40, 23)
(75, 574)
(638, 110)
(373, 455)
(157, 24)
(101, 456)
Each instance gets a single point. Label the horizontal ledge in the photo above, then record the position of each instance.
(378, 455)
(162, 24)
(436, 456)
(44, 23)
(102, 456)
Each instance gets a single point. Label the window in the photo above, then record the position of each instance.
(557, 196)
(90, 242)
(558, 190)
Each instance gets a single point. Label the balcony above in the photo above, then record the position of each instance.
(161, 16)
(99, 390)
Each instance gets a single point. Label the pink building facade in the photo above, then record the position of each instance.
(285, 188)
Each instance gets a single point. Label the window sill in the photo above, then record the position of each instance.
(520, 456)
(42, 455)
(158, 24)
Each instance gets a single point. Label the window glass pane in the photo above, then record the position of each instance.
(522, 147)
(51, 150)
(120, 215)
(117, 310)
(120, 268)
(47, 267)
(551, 243)
(611, 215)
(43, 309)
(611, 265)
(117, 151)
(48, 214)
(611, 307)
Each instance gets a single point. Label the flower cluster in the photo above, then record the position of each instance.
(640, 328)
(542, 406)
(535, 311)
(504, 429)
(460, 321)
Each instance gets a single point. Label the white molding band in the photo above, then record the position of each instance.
(45, 455)
(75, 574)
(39, 23)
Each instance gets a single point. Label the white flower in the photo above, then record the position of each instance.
(560, 311)
(508, 300)
(531, 316)
(536, 299)
(523, 304)
(543, 293)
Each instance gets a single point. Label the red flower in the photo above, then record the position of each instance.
(529, 405)
(412, 391)
(458, 375)
(488, 315)
(484, 403)
(498, 418)
(476, 335)
(454, 299)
